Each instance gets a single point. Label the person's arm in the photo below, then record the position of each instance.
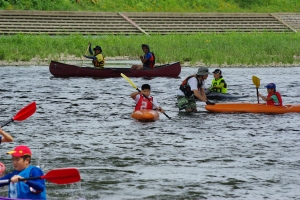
(5, 136)
(7, 176)
(91, 57)
(133, 95)
(90, 49)
(146, 57)
(218, 86)
(155, 103)
(38, 184)
(264, 98)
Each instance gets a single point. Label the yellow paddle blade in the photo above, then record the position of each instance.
(129, 81)
(256, 81)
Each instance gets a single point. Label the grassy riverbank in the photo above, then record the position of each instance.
(230, 48)
(155, 5)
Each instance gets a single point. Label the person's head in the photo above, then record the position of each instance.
(145, 48)
(217, 74)
(21, 157)
(202, 73)
(146, 89)
(97, 50)
(271, 88)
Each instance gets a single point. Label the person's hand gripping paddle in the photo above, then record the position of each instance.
(23, 114)
(256, 82)
(135, 87)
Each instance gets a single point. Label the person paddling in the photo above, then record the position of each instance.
(218, 83)
(98, 59)
(29, 189)
(148, 59)
(189, 90)
(5, 137)
(273, 98)
(143, 103)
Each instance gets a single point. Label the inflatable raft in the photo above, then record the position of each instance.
(252, 108)
(145, 115)
(222, 96)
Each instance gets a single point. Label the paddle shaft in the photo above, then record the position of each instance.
(6, 123)
(153, 103)
(257, 95)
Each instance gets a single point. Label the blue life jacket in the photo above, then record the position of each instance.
(22, 190)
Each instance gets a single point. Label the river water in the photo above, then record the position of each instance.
(85, 123)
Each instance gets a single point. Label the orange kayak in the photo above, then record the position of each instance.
(251, 108)
(145, 115)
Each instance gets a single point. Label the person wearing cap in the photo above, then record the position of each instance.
(190, 88)
(273, 98)
(148, 59)
(5, 137)
(98, 59)
(29, 189)
(218, 84)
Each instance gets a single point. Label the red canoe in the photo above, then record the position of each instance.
(58, 69)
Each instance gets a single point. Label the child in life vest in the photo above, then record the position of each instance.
(5, 137)
(142, 102)
(29, 189)
(273, 98)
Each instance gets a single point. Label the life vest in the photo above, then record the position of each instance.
(22, 190)
(271, 102)
(144, 103)
(98, 63)
(150, 62)
(186, 88)
(218, 82)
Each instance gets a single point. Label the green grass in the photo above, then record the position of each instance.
(230, 48)
(155, 5)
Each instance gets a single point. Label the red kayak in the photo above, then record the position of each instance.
(58, 69)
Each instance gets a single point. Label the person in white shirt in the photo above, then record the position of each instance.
(193, 87)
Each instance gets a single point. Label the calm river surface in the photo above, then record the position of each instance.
(85, 123)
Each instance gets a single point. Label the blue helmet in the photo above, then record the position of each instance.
(271, 86)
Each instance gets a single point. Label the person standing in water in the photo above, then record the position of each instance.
(193, 87)
(98, 59)
(218, 83)
(148, 59)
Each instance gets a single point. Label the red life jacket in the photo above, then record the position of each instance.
(144, 104)
(271, 102)
(186, 88)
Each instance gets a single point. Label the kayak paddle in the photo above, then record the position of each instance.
(256, 82)
(57, 176)
(135, 87)
(23, 114)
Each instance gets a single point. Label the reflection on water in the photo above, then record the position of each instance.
(85, 123)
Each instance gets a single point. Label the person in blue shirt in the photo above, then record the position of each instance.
(97, 57)
(29, 189)
(148, 59)
(5, 137)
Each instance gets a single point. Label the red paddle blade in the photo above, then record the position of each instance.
(25, 112)
(62, 176)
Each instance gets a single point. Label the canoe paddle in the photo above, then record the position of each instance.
(256, 82)
(57, 176)
(135, 87)
(23, 114)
